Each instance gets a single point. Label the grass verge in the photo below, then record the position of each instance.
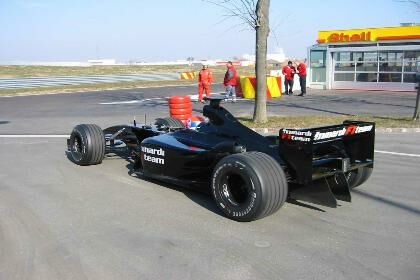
(313, 121)
(19, 71)
(45, 71)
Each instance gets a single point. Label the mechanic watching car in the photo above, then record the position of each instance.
(205, 78)
(289, 74)
(230, 81)
(301, 68)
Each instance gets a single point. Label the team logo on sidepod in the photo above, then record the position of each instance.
(150, 154)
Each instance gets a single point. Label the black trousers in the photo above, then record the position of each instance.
(287, 84)
(302, 81)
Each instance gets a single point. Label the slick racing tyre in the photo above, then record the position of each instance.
(181, 106)
(181, 111)
(179, 100)
(87, 144)
(169, 123)
(357, 177)
(249, 186)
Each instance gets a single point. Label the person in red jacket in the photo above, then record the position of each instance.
(289, 73)
(301, 68)
(230, 81)
(205, 78)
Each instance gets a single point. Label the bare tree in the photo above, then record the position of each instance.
(415, 4)
(417, 109)
(255, 14)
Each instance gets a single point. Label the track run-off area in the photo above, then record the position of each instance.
(63, 221)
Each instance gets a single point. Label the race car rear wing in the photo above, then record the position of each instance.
(316, 153)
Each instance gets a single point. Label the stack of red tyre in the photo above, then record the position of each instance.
(180, 107)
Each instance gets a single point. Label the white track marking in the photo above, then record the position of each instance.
(35, 136)
(121, 102)
(132, 101)
(194, 97)
(397, 154)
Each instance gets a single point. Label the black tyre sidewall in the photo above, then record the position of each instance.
(176, 122)
(92, 144)
(364, 175)
(169, 122)
(86, 153)
(358, 176)
(248, 210)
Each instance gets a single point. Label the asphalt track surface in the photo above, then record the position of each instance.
(59, 113)
(62, 221)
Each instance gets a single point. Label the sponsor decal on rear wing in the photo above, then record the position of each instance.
(315, 153)
(326, 133)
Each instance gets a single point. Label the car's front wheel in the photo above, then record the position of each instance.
(87, 144)
(249, 186)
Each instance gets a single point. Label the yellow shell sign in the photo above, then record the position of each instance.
(369, 34)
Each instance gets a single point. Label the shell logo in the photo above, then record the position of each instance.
(342, 37)
(394, 33)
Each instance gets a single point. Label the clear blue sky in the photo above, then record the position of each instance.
(58, 30)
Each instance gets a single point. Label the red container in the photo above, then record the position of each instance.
(180, 107)
(180, 111)
(179, 99)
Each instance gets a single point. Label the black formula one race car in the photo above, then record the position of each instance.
(249, 175)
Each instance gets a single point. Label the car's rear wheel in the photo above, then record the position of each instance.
(357, 177)
(169, 123)
(87, 144)
(249, 186)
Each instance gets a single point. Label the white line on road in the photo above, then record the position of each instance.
(132, 101)
(194, 97)
(121, 102)
(397, 154)
(35, 136)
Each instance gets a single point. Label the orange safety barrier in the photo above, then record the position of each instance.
(249, 85)
(188, 75)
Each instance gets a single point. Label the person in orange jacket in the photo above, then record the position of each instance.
(205, 78)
